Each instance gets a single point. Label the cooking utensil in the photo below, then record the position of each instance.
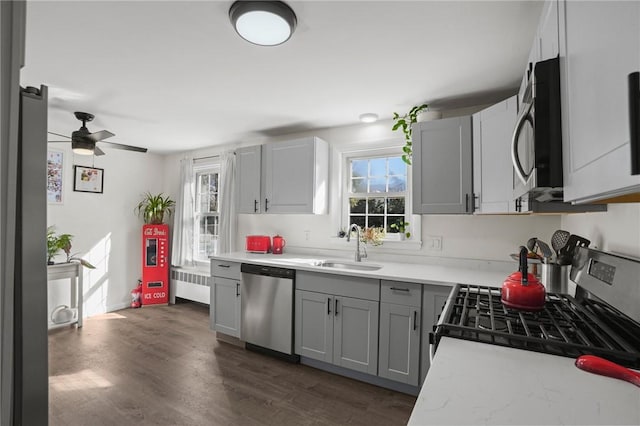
(547, 254)
(531, 244)
(573, 242)
(559, 239)
(596, 365)
(522, 290)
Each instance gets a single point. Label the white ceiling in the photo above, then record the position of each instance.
(174, 76)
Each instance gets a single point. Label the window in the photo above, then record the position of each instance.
(377, 191)
(206, 212)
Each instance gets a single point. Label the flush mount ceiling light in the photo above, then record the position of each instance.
(369, 117)
(265, 23)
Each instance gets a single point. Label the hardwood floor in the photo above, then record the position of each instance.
(163, 366)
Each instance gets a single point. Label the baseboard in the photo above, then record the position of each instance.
(363, 377)
(229, 339)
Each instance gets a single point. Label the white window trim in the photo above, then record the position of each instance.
(389, 148)
(211, 165)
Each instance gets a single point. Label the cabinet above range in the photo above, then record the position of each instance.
(283, 177)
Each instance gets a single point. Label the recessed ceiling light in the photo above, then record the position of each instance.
(369, 117)
(265, 23)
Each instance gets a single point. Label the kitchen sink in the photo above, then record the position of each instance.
(353, 266)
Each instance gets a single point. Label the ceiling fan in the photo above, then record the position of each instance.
(84, 142)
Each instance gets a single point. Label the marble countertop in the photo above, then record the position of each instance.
(478, 383)
(462, 273)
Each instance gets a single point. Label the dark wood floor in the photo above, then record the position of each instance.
(163, 366)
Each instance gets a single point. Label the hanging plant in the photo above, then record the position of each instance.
(404, 123)
(152, 208)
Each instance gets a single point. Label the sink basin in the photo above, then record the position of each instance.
(353, 266)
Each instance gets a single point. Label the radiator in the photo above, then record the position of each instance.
(190, 285)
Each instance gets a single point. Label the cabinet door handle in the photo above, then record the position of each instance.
(415, 320)
(255, 206)
(634, 121)
(466, 203)
(224, 266)
(336, 308)
(266, 204)
(328, 306)
(237, 289)
(399, 289)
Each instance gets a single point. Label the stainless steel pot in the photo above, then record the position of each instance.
(555, 278)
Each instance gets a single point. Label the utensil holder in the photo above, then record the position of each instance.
(555, 278)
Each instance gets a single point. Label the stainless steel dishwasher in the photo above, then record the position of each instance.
(267, 300)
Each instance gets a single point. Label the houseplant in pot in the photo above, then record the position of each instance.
(152, 208)
(404, 122)
(56, 242)
(402, 229)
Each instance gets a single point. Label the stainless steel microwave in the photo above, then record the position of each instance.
(536, 148)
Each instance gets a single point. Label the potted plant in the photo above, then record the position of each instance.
(55, 243)
(401, 228)
(152, 208)
(372, 235)
(404, 122)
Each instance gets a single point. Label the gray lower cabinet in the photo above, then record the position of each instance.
(442, 169)
(339, 330)
(224, 309)
(400, 318)
(337, 320)
(433, 299)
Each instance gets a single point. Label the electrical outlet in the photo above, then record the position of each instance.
(307, 235)
(434, 242)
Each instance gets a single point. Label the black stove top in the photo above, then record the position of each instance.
(565, 327)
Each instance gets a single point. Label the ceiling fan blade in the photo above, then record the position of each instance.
(125, 147)
(97, 151)
(58, 134)
(101, 135)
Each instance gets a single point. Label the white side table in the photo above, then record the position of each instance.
(72, 271)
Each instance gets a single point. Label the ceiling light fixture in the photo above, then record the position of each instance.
(82, 147)
(369, 117)
(265, 23)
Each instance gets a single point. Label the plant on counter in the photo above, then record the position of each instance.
(372, 235)
(153, 208)
(401, 228)
(404, 122)
(55, 243)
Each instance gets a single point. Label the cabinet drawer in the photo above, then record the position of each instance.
(225, 269)
(339, 285)
(408, 294)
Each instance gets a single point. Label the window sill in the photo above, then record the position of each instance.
(387, 245)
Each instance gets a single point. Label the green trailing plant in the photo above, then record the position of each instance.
(402, 228)
(55, 243)
(404, 122)
(152, 208)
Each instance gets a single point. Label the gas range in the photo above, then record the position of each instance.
(567, 326)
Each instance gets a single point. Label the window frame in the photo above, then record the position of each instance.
(198, 170)
(346, 156)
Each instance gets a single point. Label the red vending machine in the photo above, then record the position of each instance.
(155, 264)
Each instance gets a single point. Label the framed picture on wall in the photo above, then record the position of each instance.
(54, 176)
(88, 179)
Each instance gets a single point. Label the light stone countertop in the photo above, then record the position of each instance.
(447, 275)
(478, 383)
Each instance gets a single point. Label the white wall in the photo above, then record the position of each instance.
(105, 228)
(463, 237)
(616, 230)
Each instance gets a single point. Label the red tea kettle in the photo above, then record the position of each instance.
(278, 244)
(522, 290)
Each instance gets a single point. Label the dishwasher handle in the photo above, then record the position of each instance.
(269, 271)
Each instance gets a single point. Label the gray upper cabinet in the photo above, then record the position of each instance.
(492, 169)
(442, 169)
(296, 176)
(248, 177)
(599, 48)
(284, 177)
(547, 36)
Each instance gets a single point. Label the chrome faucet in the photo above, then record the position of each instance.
(355, 227)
